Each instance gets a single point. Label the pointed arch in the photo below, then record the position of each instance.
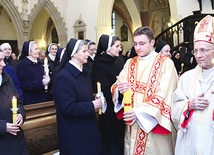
(55, 16)
(134, 13)
(104, 15)
(16, 20)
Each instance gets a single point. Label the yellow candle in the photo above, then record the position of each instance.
(127, 100)
(98, 92)
(14, 102)
(14, 108)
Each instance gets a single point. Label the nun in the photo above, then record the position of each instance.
(30, 73)
(51, 55)
(12, 138)
(107, 66)
(78, 131)
(163, 48)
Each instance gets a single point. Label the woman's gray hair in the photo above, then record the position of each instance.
(78, 46)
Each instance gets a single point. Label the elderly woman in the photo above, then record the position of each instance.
(11, 134)
(78, 131)
(31, 75)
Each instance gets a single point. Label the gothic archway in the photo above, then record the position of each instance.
(55, 16)
(16, 20)
(104, 15)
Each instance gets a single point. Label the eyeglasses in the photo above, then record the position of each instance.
(201, 50)
(141, 43)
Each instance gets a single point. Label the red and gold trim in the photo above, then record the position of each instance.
(149, 89)
(140, 143)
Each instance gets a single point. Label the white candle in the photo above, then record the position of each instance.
(98, 92)
(46, 70)
(45, 61)
(98, 87)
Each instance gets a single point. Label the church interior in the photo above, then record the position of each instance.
(48, 21)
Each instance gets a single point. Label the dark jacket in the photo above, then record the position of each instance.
(51, 70)
(89, 65)
(78, 131)
(12, 63)
(30, 76)
(10, 71)
(10, 144)
(105, 70)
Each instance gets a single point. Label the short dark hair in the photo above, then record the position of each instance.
(146, 31)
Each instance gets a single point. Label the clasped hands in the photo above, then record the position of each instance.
(14, 128)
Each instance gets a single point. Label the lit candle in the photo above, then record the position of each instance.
(98, 92)
(14, 108)
(127, 100)
(14, 102)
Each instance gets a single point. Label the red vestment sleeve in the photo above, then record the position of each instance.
(187, 115)
(119, 114)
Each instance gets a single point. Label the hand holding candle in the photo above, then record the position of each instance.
(127, 100)
(98, 92)
(14, 108)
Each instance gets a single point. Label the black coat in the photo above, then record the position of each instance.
(12, 63)
(78, 130)
(105, 70)
(89, 65)
(10, 144)
(30, 76)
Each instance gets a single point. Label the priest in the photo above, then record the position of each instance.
(193, 100)
(152, 79)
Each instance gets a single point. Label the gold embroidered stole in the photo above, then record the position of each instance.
(150, 97)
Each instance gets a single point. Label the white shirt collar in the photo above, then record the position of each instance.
(75, 65)
(52, 57)
(92, 57)
(151, 55)
(32, 59)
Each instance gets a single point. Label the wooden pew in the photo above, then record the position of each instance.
(40, 128)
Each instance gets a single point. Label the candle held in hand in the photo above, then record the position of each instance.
(14, 102)
(98, 92)
(45, 61)
(46, 71)
(127, 100)
(98, 87)
(14, 109)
